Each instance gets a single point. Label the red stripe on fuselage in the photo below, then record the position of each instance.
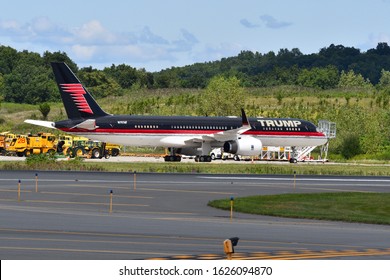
(192, 132)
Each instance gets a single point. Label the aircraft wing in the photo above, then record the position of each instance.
(221, 136)
(178, 141)
(227, 135)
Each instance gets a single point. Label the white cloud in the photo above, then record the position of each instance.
(42, 25)
(248, 24)
(93, 32)
(92, 43)
(39, 30)
(215, 52)
(148, 37)
(84, 53)
(10, 26)
(373, 40)
(273, 23)
(189, 37)
(186, 43)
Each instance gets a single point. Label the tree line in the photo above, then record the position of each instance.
(26, 77)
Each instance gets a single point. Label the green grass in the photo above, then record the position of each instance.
(372, 208)
(207, 168)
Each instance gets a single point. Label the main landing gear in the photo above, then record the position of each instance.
(203, 158)
(172, 157)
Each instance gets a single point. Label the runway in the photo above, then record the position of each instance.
(66, 215)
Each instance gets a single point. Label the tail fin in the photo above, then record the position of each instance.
(78, 102)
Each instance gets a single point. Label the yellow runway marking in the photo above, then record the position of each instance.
(283, 255)
(184, 257)
(293, 254)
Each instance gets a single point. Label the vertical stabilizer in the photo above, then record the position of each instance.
(78, 102)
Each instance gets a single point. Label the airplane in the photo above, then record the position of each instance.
(182, 135)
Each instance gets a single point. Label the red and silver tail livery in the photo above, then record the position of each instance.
(182, 134)
(77, 101)
(77, 92)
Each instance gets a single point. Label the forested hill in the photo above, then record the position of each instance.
(287, 67)
(26, 77)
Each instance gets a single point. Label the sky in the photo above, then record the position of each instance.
(156, 35)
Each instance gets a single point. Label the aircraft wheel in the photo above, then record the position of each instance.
(172, 158)
(205, 159)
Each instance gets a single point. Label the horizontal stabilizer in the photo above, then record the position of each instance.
(89, 124)
(41, 123)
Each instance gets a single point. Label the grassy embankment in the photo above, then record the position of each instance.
(204, 168)
(373, 208)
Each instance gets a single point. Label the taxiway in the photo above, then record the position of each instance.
(66, 215)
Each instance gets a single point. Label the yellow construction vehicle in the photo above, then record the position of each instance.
(97, 149)
(33, 144)
(64, 144)
(113, 149)
(5, 140)
(23, 145)
(83, 147)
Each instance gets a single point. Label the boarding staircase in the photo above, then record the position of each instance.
(302, 153)
(329, 129)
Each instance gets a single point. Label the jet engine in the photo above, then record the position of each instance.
(245, 146)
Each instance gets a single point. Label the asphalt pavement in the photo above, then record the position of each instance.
(69, 215)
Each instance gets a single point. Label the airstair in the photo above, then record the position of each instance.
(329, 129)
(286, 153)
(302, 153)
